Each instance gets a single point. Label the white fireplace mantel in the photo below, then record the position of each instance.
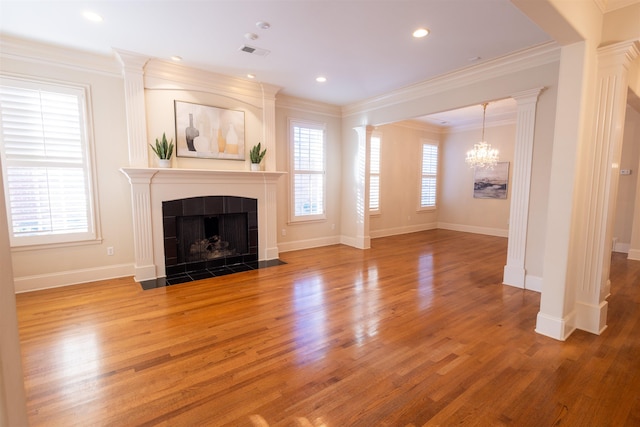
(150, 187)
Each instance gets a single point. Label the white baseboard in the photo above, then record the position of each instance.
(71, 277)
(622, 247)
(499, 232)
(634, 254)
(308, 244)
(533, 283)
(360, 242)
(402, 230)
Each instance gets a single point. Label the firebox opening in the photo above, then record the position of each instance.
(202, 238)
(203, 235)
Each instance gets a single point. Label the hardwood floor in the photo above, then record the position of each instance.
(416, 331)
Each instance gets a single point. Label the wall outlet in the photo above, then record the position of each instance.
(284, 231)
(110, 250)
(625, 171)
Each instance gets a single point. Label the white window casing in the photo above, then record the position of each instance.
(47, 162)
(428, 185)
(374, 174)
(308, 178)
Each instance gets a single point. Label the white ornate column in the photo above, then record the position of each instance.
(133, 72)
(268, 124)
(514, 271)
(362, 238)
(599, 177)
(140, 180)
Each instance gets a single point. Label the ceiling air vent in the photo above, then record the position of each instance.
(254, 50)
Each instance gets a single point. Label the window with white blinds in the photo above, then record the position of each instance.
(429, 175)
(45, 158)
(308, 170)
(374, 175)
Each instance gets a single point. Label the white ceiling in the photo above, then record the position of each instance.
(364, 48)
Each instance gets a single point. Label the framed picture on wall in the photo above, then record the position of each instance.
(491, 183)
(209, 132)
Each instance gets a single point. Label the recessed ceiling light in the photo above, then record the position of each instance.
(251, 76)
(92, 16)
(263, 25)
(420, 32)
(176, 58)
(321, 79)
(250, 36)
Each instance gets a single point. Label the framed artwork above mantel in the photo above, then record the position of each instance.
(208, 132)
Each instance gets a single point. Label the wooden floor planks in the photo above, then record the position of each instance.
(416, 331)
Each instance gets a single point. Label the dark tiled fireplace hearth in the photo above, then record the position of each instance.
(207, 237)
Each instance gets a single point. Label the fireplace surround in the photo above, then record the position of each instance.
(150, 187)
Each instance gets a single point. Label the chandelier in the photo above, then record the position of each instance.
(482, 155)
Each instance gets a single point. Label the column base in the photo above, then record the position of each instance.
(514, 276)
(591, 318)
(555, 327)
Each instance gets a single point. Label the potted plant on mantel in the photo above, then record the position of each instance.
(256, 156)
(163, 150)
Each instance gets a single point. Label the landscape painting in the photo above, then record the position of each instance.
(491, 183)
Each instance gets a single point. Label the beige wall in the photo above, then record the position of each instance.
(159, 105)
(621, 24)
(55, 266)
(400, 153)
(627, 191)
(314, 233)
(458, 207)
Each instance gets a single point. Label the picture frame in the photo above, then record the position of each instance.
(203, 131)
(491, 183)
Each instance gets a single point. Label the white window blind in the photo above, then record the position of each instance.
(307, 140)
(45, 162)
(429, 175)
(374, 174)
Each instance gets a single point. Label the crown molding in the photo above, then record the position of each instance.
(521, 60)
(308, 106)
(418, 125)
(48, 54)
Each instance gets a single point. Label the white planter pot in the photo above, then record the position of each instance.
(164, 163)
(255, 167)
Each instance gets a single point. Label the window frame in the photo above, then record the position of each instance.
(378, 136)
(307, 124)
(421, 175)
(53, 239)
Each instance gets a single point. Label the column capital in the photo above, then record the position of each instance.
(619, 54)
(528, 96)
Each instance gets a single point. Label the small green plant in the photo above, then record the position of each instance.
(256, 155)
(163, 149)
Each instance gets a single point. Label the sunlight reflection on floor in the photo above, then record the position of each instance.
(258, 421)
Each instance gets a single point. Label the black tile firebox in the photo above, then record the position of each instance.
(209, 233)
